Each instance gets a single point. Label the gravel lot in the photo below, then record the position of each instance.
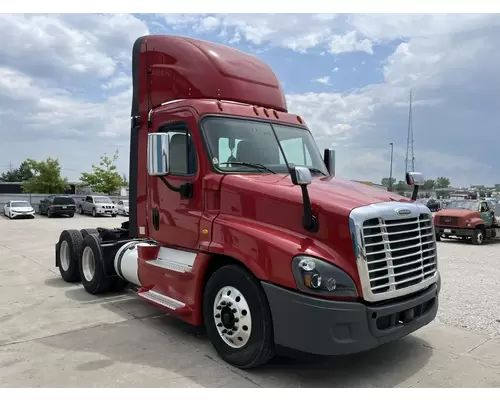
(54, 334)
(470, 297)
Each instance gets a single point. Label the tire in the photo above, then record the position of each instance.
(90, 231)
(49, 214)
(438, 238)
(71, 215)
(255, 315)
(91, 266)
(478, 236)
(94, 213)
(81, 210)
(69, 257)
(114, 215)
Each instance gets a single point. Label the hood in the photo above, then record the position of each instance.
(457, 213)
(324, 192)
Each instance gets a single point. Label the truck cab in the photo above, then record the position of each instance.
(239, 223)
(467, 219)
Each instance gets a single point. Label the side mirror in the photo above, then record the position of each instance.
(158, 152)
(415, 179)
(301, 176)
(329, 159)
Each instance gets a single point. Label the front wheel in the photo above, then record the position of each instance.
(478, 236)
(93, 213)
(237, 318)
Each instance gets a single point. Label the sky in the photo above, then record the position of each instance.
(65, 85)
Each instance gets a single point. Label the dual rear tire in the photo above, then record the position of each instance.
(81, 260)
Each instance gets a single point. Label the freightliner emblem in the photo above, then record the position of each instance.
(403, 211)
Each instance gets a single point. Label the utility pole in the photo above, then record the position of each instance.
(390, 173)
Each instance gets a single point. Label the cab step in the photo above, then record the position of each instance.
(162, 300)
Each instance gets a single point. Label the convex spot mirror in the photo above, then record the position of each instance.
(415, 178)
(300, 176)
(158, 154)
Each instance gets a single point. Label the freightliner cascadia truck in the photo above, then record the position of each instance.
(239, 223)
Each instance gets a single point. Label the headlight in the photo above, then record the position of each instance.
(319, 277)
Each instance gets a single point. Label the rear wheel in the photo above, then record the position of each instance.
(49, 213)
(237, 317)
(90, 231)
(94, 279)
(70, 246)
(478, 236)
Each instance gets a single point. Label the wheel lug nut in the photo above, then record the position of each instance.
(229, 304)
(236, 320)
(234, 310)
(223, 303)
(219, 308)
(224, 331)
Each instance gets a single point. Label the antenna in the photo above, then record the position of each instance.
(410, 156)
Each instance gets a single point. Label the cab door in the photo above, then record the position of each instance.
(174, 219)
(486, 213)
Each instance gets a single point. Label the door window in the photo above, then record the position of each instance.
(182, 154)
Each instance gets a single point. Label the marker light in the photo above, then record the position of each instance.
(316, 276)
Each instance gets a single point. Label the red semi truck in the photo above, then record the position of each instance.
(238, 223)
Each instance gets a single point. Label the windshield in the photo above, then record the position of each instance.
(20, 204)
(464, 205)
(63, 200)
(233, 141)
(102, 200)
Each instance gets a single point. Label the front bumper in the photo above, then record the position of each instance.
(30, 214)
(326, 327)
(106, 211)
(453, 231)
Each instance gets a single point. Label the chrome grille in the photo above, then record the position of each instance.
(394, 246)
(399, 253)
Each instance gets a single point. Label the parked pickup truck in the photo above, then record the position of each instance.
(97, 205)
(467, 219)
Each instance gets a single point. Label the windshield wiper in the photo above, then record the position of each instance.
(258, 166)
(316, 171)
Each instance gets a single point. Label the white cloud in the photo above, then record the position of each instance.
(325, 80)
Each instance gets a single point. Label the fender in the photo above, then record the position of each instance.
(268, 251)
(477, 222)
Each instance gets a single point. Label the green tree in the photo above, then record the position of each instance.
(387, 182)
(429, 184)
(442, 182)
(21, 174)
(105, 178)
(46, 177)
(124, 180)
(401, 187)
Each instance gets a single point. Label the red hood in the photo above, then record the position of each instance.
(457, 213)
(331, 194)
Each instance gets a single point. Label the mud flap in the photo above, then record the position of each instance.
(58, 246)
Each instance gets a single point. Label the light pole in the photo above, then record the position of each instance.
(390, 173)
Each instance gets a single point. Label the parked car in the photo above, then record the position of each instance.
(57, 205)
(97, 205)
(123, 207)
(18, 209)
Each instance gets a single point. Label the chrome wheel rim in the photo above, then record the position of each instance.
(232, 317)
(88, 264)
(65, 255)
